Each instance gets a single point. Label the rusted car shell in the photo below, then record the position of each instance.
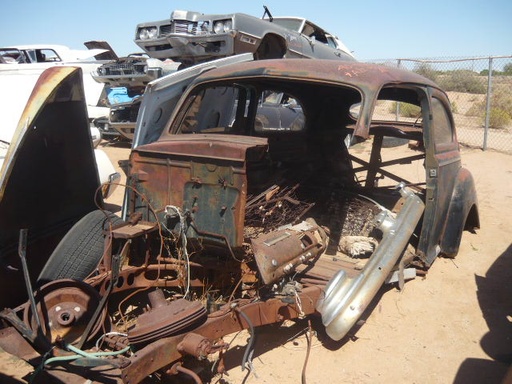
(370, 80)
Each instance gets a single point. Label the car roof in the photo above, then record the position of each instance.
(65, 53)
(358, 74)
(55, 47)
(369, 79)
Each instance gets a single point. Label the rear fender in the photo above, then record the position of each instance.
(462, 213)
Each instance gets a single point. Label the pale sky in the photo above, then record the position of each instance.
(371, 29)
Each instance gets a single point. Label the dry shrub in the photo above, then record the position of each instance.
(463, 80)
(499, 118)
(500, 112)
(406, 109)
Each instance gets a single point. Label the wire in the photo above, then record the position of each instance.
(160, 233)
(308, 351)
(183, 242)
(247, 358)
(113, 333)
(79, 353)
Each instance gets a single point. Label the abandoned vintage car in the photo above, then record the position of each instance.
(30, 60)
(131, 74)
(256, 203)
(193, 37)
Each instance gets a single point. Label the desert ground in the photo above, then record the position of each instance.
(453, 325)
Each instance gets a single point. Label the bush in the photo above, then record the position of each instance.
(507, 69)
(454, 107)
(406, 109)
(427, 71)
(498, 118)
(502, 99)
(477, 109)
(500, 115)
(463, 80)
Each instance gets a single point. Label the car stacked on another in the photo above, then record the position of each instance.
(125, 81)
(192, 37)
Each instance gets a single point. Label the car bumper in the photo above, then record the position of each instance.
(196, 48)
(129, 78)
(346, 297)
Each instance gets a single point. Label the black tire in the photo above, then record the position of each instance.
(80, 250)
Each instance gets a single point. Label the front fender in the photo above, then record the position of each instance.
(462, 213)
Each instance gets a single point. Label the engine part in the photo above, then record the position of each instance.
(65, 307)
(195, 345)
(166, 318)
(278, 253)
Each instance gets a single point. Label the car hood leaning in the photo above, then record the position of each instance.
(49, 178)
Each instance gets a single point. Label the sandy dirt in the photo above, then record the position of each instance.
(452, 326)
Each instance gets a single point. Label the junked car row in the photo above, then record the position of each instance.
(246, 204)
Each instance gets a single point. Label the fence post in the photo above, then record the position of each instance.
(488, 104)
(397, 111)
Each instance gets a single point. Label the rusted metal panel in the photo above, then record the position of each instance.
(204, 178)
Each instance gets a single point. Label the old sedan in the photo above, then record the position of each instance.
(193, 37)
(234, 219)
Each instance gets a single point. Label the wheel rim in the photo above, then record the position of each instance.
(65, 307)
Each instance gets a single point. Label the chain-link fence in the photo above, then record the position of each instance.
(480, 90)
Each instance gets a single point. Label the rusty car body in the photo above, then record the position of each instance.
(192, 37)
(231, 221)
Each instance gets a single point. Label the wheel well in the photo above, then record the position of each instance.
(271, 47)
(472, 219)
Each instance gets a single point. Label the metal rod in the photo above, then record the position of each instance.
(22, 252)
(488, 104)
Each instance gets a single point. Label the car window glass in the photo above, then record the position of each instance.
(211, 111)
(331, 42)
(291, 24)
(47, 55)
(227, 109)
(12, 55)
(441, 123)
(278, 111)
